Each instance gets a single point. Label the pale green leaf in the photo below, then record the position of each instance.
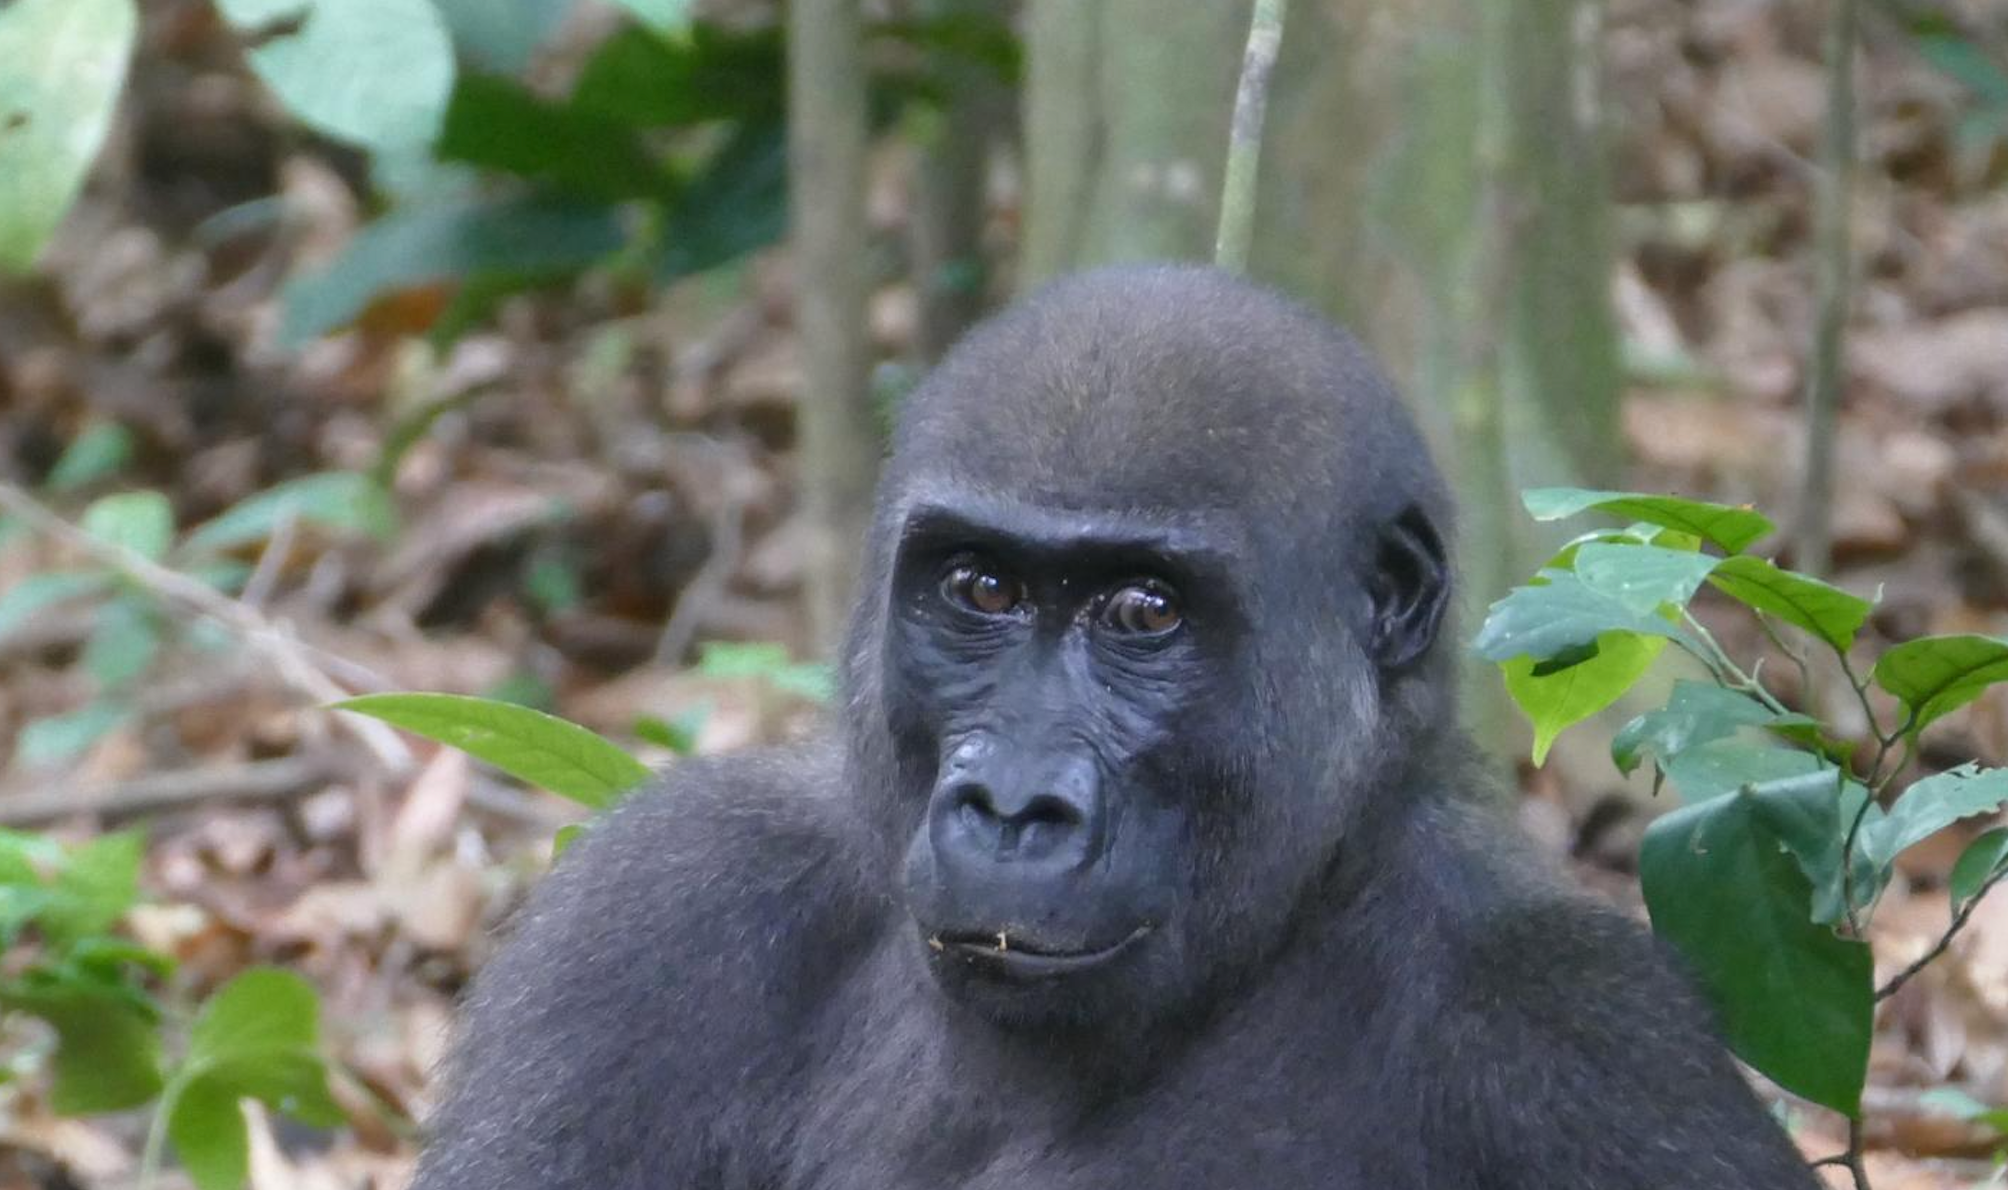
(541, 749)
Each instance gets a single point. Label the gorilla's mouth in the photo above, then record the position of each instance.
(1027, 958)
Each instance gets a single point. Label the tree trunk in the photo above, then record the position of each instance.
(839, 428)
(1431, 176)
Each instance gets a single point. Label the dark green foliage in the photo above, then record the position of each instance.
(1766, 877)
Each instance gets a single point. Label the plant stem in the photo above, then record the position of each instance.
(1959, 921)
(1726, 670)
(1244, 140)
(1833, 215)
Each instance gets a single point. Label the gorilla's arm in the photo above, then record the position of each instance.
(632, 1026)
(1589, 1064)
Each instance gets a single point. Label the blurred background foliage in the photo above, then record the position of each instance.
(363, 345)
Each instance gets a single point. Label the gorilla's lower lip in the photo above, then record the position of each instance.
(1026, 958)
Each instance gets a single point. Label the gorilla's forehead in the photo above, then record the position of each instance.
(1155, 387)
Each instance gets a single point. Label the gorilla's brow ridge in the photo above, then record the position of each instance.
(1202, 542)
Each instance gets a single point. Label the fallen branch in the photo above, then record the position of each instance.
(260, 781)
(300, 666)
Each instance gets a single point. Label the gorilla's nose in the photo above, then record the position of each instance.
(981, 821)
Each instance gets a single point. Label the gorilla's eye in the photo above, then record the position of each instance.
(1145, 608)
(980, 588)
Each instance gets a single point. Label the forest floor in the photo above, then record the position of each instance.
(587, 492)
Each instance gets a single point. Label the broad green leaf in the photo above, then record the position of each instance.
(664, 16)
(1795, 1001)
(500, 124)
(502, 35)
(95, 454)
(1983, 858)
(20, 603)
(1696, 713)
(1811, 815)
(736, 203)
(122, 644)
(518, 241)
(93, 887)
(1642, 577)
(107, 1054)
(62, 64)
(142, 522)
(338, 501)
(541, 749)
(205, 1124)
(264, 1010)
(1936, 675)
(710, 74)
(1558, 700)
(1936, 802)
(64, 737)
(566, 836)
(1826, 611)
(1733, 529)
(1702, 772)
(373, 73)
(1556, 613)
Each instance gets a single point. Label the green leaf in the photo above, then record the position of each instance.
(1936, 802)
(1642, 577)
(521, 241)
(95, 454)
(65, 64)
(94, 886)
(1795, 1001)
(1936, 675)
(63, 737)
(737, 202)
(1556, 613)
(679, 735)
(205, 1124)
(259, 1037)
(1826, 611)
(25, 599)
(1696, 713)
(664, 16)
(1705, 771)
(768, 662)
(1811, 814)
(122, 644)
(1558, 700)
(1733, 529)
(498, 123)
(374, 73)
(1982, 860)
(107, 1054)
(711, 74)
(540, 749)
(338, 501)
(566, 836)
(142, 522)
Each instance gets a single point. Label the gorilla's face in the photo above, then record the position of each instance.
(1049, 685)
(1154, 585)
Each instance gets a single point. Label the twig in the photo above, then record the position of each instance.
(728, 530)
(1833, 215)
(1959, 920)
(295, 662)
(1796, 656)
(1244, 140)
(260, 781)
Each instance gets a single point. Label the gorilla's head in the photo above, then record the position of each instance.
(1149, 623)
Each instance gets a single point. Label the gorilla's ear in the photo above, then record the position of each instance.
(1410, 589)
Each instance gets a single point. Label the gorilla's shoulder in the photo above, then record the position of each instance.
(721, 879)
(713, 835)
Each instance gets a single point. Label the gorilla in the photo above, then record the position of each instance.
(1145, 852)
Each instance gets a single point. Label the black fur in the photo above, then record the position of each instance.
(1346, 972)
